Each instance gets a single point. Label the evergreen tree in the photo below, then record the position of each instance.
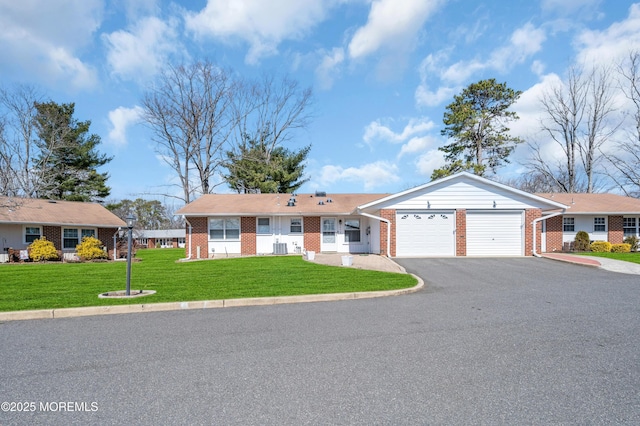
(69, 158)
(253, 169)
(476, 121)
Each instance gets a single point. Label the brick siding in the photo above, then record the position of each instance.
(248, 239)
(554, 234)
(616, 233)
(529, 216)
(199, 237)
(461, 232)
(311, 226)
(53, 234)
(389, 214)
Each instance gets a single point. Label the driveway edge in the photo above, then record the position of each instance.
(203, 304)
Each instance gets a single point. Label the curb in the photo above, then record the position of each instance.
(574, 262)
(203, 304)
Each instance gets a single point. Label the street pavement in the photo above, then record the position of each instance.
(487, 341)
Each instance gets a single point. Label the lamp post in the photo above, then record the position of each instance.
(131, 221)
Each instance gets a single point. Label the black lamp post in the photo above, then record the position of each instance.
(131, 221)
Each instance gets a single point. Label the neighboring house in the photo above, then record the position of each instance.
(605, 217)
(162, 238)
(62, 222)
(461, 215)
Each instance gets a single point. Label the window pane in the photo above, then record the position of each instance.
(329, 225)
(296, 225)
(32, 233)
(263, 225)
(232, 226)
(568, 224)
(352, 230)
(598, 224)
(88, 233)
(216, 229)
(70, 233)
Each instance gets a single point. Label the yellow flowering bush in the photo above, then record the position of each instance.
(90, 248)
(41, 250)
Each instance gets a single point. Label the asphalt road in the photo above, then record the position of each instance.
(488, 341)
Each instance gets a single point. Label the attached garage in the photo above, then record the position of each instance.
(495, 233)
(425, 233)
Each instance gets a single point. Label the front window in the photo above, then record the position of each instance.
(599, 224)
(352, 230)
(296, 225)
(568, 224)
(224, 229)
(69, 238)
(629, 226)
(263, 225)
(31, 233)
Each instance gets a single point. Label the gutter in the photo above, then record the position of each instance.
(387, 221)
(535, 222)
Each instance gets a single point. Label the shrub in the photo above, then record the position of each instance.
(620, 248)
(581, 242)
(41, 250)
(633, 241)
(601, 246)
(90, 248)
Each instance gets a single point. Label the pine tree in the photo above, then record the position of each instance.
(69, 158)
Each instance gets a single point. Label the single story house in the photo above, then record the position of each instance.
(162, 238)
(23, 220)
(460, 215)
(605, 217)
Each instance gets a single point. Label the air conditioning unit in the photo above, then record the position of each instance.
(279, 248)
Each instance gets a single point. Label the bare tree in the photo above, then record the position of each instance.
(625, 161)
(18, 149)
(579, 119)
(189, 113)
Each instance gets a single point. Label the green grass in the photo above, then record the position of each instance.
(65, 285)
(626, 257)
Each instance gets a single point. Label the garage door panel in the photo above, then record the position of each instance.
(494, 233)
(425, 233)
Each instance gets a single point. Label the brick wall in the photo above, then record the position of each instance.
(529, 216)
(390, 215)
(105, 235)
(554, 234)
(53, 234)
(461, 232)
(616, 233)
(311, 226)
(199, 236)
(248, 239)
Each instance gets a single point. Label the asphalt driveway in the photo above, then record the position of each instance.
(488, 341)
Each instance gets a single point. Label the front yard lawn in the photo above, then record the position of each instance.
(627, 257)
(66, 285)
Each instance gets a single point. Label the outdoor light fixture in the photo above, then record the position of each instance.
(131, 221)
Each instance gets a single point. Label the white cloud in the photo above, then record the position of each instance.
(378, 131)
(370, 175)
(43, 38)
(261, 24)
(431, 69)
(429, 161)
(121, 118)
(417, 144)
(391, 24)
(523, 43)
(329, 67)
(613, 43)
(140, 53)
(426, 97)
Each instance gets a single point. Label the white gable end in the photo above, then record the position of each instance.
(460, 195)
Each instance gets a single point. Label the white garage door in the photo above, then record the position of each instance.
(494, 233)
(425, 233)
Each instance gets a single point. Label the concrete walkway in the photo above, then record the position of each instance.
(599, 262)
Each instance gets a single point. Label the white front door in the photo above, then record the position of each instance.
(329, 242)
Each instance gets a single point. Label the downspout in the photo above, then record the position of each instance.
(388, 222)
(115, 243)
(535, 222)
(190, 237)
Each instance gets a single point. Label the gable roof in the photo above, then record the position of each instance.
(275, 204)
(596, 203)
(35, 211)
(468, 177)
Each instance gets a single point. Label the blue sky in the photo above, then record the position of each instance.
(382, 71)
